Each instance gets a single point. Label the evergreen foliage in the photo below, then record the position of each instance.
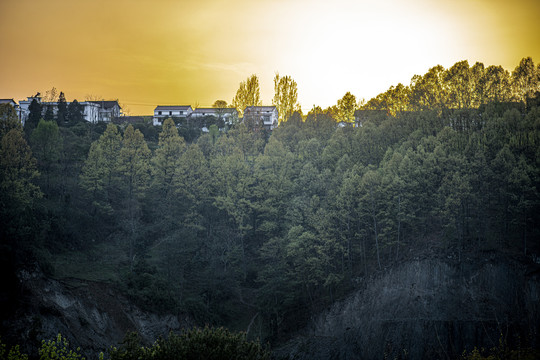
(237, 224)
(74, 113)
(34, 115)
(62, 113)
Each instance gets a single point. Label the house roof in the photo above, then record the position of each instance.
(260, 109)
(7, 101)
(250, 110)
(213, 110)
(106, 104)
(173, 107)
(205, 110)
(89, 103)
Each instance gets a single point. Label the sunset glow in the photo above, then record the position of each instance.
(146, 53)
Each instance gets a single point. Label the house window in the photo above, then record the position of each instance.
(170, 112)
(159, 112)
(181, 113)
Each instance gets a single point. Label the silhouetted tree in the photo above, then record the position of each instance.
(62, 113)
(74, 113)
(34, 116)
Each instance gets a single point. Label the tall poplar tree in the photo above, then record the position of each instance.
(285, 97)
(526, 79)
(248, 94)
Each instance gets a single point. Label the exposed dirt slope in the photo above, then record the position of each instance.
(430, 309)
(91, 315)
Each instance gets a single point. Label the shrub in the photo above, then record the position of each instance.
(207, 343)
(13, 354)
(58, 349)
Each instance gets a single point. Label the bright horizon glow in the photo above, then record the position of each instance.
(154, 52)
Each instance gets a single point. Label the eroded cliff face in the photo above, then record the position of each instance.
(90, 315)
(431, 308)
(425, 308)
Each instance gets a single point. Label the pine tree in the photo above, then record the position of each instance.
(100, 173)
(34, 115)
(62, 113)
(166, 167)
(47, 144)
(8, 119)
(17, 173)
(49, 113)
(74, 113)
(134, 168)
(166, 162)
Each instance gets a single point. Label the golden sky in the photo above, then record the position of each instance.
(150, 52)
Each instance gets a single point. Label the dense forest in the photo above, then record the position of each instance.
(259, 230)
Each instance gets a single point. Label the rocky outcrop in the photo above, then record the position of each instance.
(430, 308)
(90, 315)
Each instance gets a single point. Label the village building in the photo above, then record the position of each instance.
(264, 116)
(10, 102)
(225, 114)
(93, 111)
(162, 112)
(23, 109)
(108, 110)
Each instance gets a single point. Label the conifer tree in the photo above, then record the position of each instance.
(17, 173)
(34, 115)
(100, 173)
(8, 119)
(61, 114)
(166, 161)
(49, 113)
(134, 169)
(74, 113)
(346, 107)
(47, 144)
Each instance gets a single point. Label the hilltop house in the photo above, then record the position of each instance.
(225, 114)
(93, 111)
(23, 110)
(10, 102)
(107, 110)
(162, 112)
(265, 116)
